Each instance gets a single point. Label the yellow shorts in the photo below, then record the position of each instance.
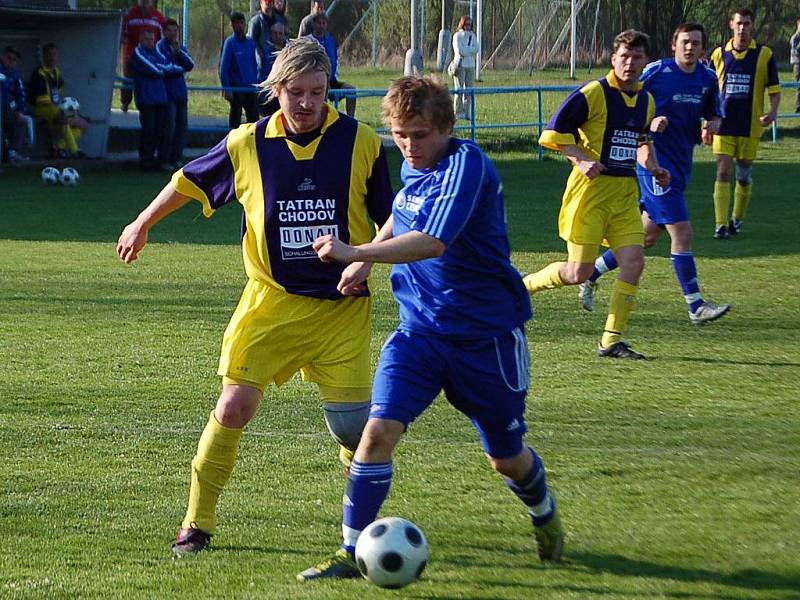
(745, 148)
(50, 113)
(273, 334)
(600, 211)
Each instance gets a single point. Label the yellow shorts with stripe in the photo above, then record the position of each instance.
(745, 148)
(273, 334)
(600, 211)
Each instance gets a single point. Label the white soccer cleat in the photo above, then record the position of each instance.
(586, 292)
(708, 311)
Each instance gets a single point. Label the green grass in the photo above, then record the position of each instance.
(677, 477)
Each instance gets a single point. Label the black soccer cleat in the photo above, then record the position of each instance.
(190, 541)
(721, 233)
(619, 350)
(735, 226)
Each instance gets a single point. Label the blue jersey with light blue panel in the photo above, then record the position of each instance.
(472, 290)
(684, 98)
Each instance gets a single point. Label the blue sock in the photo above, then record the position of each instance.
(604, 263)
(686, 272)
(367, 487)
(532, 490)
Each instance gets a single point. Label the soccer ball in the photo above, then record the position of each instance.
(50, 176)
(69, 176)
(391, 552)
(69, 107)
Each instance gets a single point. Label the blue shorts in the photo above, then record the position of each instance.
(664, 206)
(485, 379)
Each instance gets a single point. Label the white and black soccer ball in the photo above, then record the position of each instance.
(69, 176)
(392, 552)
(69, 107)
(50, 176)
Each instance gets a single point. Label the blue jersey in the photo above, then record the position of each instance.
(684, 98)
(472, 290)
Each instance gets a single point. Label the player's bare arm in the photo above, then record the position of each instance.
(588, 166)
(355, 274)
(134, 237)
(409, 247)
(646, 157)
(768, 118)
(659, 124)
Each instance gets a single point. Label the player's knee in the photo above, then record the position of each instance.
(236, 405)
(378, 440)
(744, 174)
(650, 238)
(346, 421)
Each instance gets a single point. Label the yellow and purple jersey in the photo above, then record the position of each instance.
(605, 122)
(743, 78)
(294, 189)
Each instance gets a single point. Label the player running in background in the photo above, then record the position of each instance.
(685, 92)
(602, 128)
(306, 170)
(462, 313)
(745, 70)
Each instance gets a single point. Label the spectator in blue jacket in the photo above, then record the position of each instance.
(148, 68)
(177, 122)
(238, 68)
(17, 121)
(319, 26)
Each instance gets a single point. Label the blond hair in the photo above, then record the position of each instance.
(298, 57)
(426, 97)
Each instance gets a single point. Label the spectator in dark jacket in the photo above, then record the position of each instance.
(271, 12)
(148, 68)
(238, 68)
(177, 122)
(17, 121)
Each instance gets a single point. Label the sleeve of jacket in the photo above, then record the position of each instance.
(225, 64)
(145, 67)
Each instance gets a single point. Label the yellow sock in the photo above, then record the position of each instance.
(722, 201)
(546, 279)
(346, 456)
(211, 468)
(623, 301)
(741, 198)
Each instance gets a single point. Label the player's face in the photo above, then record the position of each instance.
(688, 48)
(742, 28)
(421, 142)
(302, 101)
(628, 63)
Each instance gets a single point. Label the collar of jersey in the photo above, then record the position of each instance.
(739, 53)
(614, 82)
(275, 128)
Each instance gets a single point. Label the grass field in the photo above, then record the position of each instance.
(677, 477)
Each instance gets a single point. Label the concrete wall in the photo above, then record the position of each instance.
(88, 45)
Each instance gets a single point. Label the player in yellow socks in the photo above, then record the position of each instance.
(305, 171)
(602, 128)
(745, 71)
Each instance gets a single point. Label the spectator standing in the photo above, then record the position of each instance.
(148, 68)
(268, 104)
(140, 17)
(238, 68)
(47, 92)
(319, 24)
(794, 58)
(177, 123)
(17, 122)
(465, 48)
(270, 12)
(306, 25)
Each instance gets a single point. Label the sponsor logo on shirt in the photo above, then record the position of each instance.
(688, 98)
(304, 220)
(623, 147)
(409, 203)
(307, 185)
(737, 84)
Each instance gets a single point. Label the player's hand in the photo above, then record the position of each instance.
(767, 119)
(131, 241)
(662, 176)
(332, 249)
(659, 124)
(713, 125)
(590, 168)
(354, 277)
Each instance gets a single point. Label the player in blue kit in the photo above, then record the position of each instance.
(685, 92)
(447, 239)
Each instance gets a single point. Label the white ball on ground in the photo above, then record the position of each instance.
(69, 107)
(392, 552)
(69, 176)
(50, 176)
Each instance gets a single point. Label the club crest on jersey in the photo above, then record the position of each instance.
(307, 185)
(409, 203)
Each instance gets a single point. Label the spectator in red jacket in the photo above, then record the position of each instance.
(140, 17)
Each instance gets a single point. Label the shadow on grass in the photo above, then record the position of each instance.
(720, 361)
(752, 579)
